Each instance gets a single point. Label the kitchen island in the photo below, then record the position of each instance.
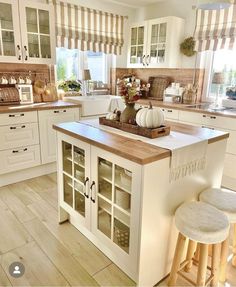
(116, 190)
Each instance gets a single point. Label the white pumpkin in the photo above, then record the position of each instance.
(150, 117)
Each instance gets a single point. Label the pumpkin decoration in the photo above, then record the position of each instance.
(113, 115)
(150, 117)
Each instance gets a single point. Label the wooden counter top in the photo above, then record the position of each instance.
(185, 107)
(37, 107)
(134, 150)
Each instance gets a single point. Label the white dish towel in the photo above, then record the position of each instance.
(188, 153)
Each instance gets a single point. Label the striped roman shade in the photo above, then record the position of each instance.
(215, 29)
(87, 29)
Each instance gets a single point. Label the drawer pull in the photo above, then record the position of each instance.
(16, 115)
(212, 117)
(208, 128)
(85, 185)
(18, 151)
(169, 111)
(204, 116)
(91, 188)
(14, 128)
(57, 112)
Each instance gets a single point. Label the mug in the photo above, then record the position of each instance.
(12, 80)
(28, 80)
(4, 80)
(21, 80)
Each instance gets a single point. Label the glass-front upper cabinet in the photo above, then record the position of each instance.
(10, 43)
(38, 32)
(137, 44)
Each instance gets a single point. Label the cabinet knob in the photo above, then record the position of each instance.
(91, 188)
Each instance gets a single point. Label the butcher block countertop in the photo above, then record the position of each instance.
(132, 149)
(190, 108)
(37, 107)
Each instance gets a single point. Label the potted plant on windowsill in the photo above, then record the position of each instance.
(70, 87)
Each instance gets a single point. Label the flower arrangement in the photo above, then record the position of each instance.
(129, 91)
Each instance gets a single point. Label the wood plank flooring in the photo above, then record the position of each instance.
(53, 254)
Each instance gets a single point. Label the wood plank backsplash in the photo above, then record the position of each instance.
(36, 72)
(182, 76)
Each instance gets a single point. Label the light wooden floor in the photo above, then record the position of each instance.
(53, 254)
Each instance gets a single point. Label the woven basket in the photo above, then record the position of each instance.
(122, 235)
(158, 86)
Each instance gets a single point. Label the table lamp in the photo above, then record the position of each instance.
(218, 79)
(86, 78)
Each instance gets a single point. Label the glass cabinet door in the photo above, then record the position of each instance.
(75, 184)
(137, 45)
(158, 43)
(10, 46)
(114, 202)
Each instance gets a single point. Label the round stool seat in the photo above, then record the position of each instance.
(222, 199)
(202, 222)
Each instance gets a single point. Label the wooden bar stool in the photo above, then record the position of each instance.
(224, 200)
(203, 224)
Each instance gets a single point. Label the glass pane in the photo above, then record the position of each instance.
(122, 199)
(154, 35)
(67, 157)
(79, 173)
(121, 232)
(153, 52)
(68, 190)
(6, 16)
(8, 43)
(33, 43)
(140, 35)
(161, 56)
(133, 57)
(80, 203)
(31, 20)
(104, 217)
(105, 178)
(133, 36)
(140, 51)
(162, 34)
(44, 22)
(45, 46)
(79, 156)
(123, 178)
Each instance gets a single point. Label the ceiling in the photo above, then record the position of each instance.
(134, 3)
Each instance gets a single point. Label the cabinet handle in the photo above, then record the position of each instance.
(205, 127)
(204, 116)
(91, 188)
(169, 111)
(18, 151)
(212, 117)
(143, 60)
(14, 128)
(57, 112)
(85, 185)
(16, 115)
(18, 52)
(147, 60)
(26, 53)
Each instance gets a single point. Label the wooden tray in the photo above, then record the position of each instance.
(134, 129)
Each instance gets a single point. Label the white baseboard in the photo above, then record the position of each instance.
(28, 173)
(229, 182)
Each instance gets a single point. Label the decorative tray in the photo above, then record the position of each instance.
(134, 129)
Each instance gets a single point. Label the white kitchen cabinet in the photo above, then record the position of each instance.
(155, 43)
(47, 119)
(101, 192)
(171, 114)
(15, 118)
(27, 32)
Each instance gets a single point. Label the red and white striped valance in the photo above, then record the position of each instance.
(215, 29)
(87, 29)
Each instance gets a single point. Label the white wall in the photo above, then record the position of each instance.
(179, 8)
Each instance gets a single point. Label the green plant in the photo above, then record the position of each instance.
(187, 47)
(70, 85)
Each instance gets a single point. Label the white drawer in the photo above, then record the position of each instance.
(19, 158)
(171, 114)
(191, 117)
(229, 165)
(18, 118)
(14, 136)
(219, 122)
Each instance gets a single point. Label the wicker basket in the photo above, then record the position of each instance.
(158, 86)
(122, 235)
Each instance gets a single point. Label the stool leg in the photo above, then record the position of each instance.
(223, 259)
(234, 247)
(177, 260)
(192, 245)
(202, 267)
(196, 254)
(215, 263)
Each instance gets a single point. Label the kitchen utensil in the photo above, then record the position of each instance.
(12, 80)
(9, 96)
(28, 80)
(20, 80)
(4, 80)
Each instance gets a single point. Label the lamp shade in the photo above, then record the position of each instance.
(214, 4)
(218, 78)
(86, 75)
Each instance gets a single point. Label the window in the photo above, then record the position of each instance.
(70, 64)
(222, 62)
